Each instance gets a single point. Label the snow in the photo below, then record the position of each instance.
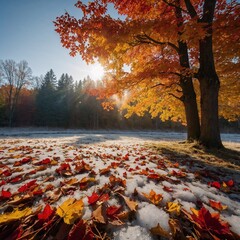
(100, 150)
(150, 216)
(133, 233)
(233, 220)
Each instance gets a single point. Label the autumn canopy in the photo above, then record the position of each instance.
(161, 54)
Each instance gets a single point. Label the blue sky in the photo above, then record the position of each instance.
(27, 33)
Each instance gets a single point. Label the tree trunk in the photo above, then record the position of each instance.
(191, 110)
(209, 86)
(210, 133)
(186, 83)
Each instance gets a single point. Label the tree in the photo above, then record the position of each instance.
(115, 48)
(14, 76)
(158, 58)
(46, 100)
(64, 99)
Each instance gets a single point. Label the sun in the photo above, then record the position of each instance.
(96, 71)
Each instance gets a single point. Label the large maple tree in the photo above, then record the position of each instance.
(165, 44)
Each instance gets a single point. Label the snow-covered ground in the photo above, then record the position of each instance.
(104, 135)
(77, 164)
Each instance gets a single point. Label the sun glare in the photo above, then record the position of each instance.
(96, 71)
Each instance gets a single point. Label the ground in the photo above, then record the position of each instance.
(117, 185)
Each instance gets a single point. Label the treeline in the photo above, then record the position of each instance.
(48, 102)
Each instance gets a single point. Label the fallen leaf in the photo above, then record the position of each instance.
(217, 205)
(70, 210)
(98, 215)
(215, 184)
(209, 222)
(15, 215)
(173, 207)
(176, 229)
(130, 203)
(167, 189)
(105, 170)
(27, 186)
(5, 194)
(46, 213)
(112, 211)
(93, 198)
(80, 231)
(20, 200)
(229, 183)
(153, 197)
(158, 230)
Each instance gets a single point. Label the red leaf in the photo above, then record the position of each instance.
(230, 183)
(27, 186)
(210, 222)
(216, 205)
(6, 194)
(46, 213)
(46, 161)
(7, 173)
(167, 189)
(93, 199)
(154, 176)
(104, 197)
(112, 210)
(2, 183)
(63, 167)
(16, 179)
(80, 231)
(215, 184)
(25, 160)
(38, 192)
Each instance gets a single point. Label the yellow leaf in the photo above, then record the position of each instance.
(15, 215)
(153, 197)
(224, 185)
(70, 210)
(86, 180)
(173, 207)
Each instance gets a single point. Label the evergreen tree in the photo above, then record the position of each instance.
(46, 101)
(64, 99)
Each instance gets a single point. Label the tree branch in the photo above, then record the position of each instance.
(179, 98)
(174, 5)
(144, 38)
(191, 10)
(164, 85)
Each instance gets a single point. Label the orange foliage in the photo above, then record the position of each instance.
(140, 53)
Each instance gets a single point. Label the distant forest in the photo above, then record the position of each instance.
(48, 102)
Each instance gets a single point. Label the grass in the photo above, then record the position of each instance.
(228, 157)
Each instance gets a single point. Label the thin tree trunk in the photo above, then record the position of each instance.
(191, 110)
(189, 95)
